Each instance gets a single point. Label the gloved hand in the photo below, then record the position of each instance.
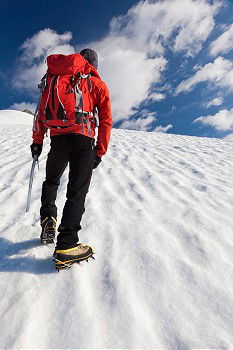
(36, 149)
(97, 161)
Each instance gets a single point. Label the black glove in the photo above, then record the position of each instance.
(97, 161)
(36, 149)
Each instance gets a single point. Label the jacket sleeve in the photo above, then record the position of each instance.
(105, 120)
(38, 130)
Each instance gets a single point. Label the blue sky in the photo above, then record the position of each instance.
(169, 64)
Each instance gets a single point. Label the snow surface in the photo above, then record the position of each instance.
(159, 217)
(12, 117)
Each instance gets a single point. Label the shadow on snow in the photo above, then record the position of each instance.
(27, 264)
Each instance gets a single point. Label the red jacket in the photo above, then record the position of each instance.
(99, 97)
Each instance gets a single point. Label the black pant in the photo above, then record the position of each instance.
(79, 152)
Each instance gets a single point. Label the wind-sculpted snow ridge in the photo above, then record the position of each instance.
(159, 217)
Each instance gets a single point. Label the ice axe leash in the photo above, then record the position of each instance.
(35, 159)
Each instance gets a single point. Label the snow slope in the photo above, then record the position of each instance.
(159, 216)
(12, 117)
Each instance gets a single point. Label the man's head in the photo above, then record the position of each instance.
(91, 56)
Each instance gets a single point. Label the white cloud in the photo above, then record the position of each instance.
(164, 129)
(132, 54)
(130, 83)
(224, 43)
(24, 105)
(44, 43)
(145, 122)
(157, 96)
(222, 121)
(217, 101)
(146, 113)
(142, 124)
(219, 73)
(167, 87)
(32, 64)
(152, 25)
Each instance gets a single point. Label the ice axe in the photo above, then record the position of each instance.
(35, 159)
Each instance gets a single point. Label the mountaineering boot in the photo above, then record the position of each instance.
(66, 257)
(48, 230)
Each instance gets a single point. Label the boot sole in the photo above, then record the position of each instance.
(61, 265)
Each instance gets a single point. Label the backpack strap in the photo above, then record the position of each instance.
(95, 119)
(41, 87)
(80, 102)
(61, 104)
(88, 125)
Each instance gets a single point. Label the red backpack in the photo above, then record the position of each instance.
(65, 93)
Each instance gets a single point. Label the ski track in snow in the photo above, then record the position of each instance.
(159, 216)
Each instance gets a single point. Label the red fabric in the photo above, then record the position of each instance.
(97, 97)
(66, 64)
